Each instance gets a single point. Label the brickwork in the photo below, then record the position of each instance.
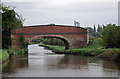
(74, 37)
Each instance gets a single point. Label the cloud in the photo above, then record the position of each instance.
(60, 0)
(87, 13)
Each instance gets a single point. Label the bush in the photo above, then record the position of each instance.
(111, 53)
(110, 36)
(3, 55)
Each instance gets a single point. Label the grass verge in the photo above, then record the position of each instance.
(4, 55)
(90, 50)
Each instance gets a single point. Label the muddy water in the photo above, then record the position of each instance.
(44, 63)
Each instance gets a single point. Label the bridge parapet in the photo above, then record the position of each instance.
(73, 37)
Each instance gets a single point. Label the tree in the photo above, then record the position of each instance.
(94, 29)
(118, 44)
(99, 30)
(10, 22)
(110, 36)
(51, 24)
(53, 41)
(77, 24)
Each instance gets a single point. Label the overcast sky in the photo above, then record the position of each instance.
(65, 12)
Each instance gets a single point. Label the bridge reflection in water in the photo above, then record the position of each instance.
(44, 63)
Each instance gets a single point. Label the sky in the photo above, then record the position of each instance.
(65, 12)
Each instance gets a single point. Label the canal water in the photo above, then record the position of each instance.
(41, 62)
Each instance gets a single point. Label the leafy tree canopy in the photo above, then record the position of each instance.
(110, 36)
(10, 21)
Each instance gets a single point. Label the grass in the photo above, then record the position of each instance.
(30, 43)
(94, 49)
(111, 53)
(3, 56)
(89, 50)
(16, 51)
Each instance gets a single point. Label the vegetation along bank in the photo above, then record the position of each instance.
(91, 50)
(10, 22)
(103, 42)
(7, 53)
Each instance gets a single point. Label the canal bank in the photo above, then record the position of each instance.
(91, 50)
(7, 53)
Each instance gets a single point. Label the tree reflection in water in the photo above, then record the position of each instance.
(15, 63)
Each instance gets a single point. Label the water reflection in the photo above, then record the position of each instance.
(110, 64)
(16, 62)
(44, 63)
(73, 61)
(0, 70)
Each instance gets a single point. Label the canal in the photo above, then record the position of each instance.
(41, 62)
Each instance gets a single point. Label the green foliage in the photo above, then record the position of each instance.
(118, 42)
(87, 51)
(24, 44)
(37, 40)
(53, 41)
(95, 41)
(56, 48)
(10, 21)
(111, 54)
(47, 40)
(91, 50)
(95, 32)
(91, 40)
(110, 36)
(99, 30)
(94, 29)
(32, 42)
(3, 56)
(94, 48)
(16, 51)
(51, 24)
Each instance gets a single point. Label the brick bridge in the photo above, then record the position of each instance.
(73, 37)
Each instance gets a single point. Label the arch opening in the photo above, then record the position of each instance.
(52, 40)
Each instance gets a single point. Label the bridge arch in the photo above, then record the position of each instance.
(65, 40)
(73, 37)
